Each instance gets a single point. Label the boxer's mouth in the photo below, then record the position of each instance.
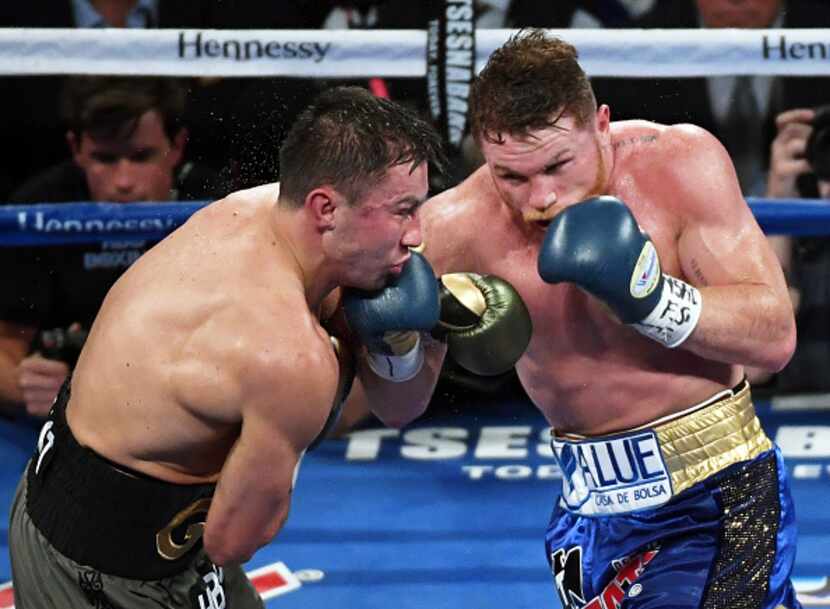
(540, 224)
(540, 219)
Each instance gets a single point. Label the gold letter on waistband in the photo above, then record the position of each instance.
(169, 549)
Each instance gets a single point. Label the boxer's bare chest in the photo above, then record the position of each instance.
(580, 356)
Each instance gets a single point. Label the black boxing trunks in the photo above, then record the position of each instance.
(689, 512)
(87, 532)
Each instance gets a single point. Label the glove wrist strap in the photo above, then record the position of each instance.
(398, 368)
(676, 314)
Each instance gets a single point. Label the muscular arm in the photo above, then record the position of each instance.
(395, 404)
(283, 408)
(747, 318)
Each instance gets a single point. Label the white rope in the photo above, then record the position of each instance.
(399, 53)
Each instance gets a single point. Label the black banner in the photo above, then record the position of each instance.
(451, 53)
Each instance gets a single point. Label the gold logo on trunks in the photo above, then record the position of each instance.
(166, 546)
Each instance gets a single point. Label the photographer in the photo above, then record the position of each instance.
(127, 142)
(800, 168)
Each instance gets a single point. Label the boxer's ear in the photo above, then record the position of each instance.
(322, 203)
(603, 120)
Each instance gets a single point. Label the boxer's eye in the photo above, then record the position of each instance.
(554, 167)
(513, 178)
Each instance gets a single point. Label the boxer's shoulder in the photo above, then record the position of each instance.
(264, 191)
(456, 220)
(269, 354)
(630, 135)
(665, 158)
(241, 203)
(638, 140)
(466, 199)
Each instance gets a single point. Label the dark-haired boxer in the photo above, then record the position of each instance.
(170, 456)
(650, 287)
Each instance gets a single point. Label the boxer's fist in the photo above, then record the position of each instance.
(388, 321)
(597, 245)
(410, 302)
(484, 321)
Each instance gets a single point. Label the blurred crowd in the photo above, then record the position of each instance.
(122, 139)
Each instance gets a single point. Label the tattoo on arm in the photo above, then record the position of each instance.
(698, 272)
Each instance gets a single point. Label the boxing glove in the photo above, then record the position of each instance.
(597, 245)
(388, 321)
(484, 322)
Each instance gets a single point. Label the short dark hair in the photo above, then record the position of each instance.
(526, 85)
(349, 138)
(110, 106)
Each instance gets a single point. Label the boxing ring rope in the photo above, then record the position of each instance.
(67, 223)
(400, 53)
(377, 53)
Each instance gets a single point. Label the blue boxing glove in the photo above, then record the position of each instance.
(389, 321)
(597, 245)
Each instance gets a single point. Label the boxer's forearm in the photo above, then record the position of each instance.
(751, 325)
(397, 404)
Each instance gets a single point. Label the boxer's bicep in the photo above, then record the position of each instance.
(720, 242)
(720, 255)
(746, 313)
(280, 418)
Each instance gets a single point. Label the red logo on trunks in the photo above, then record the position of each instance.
(629, 571)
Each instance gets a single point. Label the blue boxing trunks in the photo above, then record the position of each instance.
(692, 511)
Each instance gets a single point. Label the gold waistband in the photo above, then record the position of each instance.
(706, 438)
(710, 438)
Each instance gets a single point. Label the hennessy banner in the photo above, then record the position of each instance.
(400, 53)
(451, 65)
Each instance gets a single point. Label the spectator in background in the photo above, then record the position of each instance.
(38, 140)
(561, 14)
(800, 167)
(127, 142)
(739, 110)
